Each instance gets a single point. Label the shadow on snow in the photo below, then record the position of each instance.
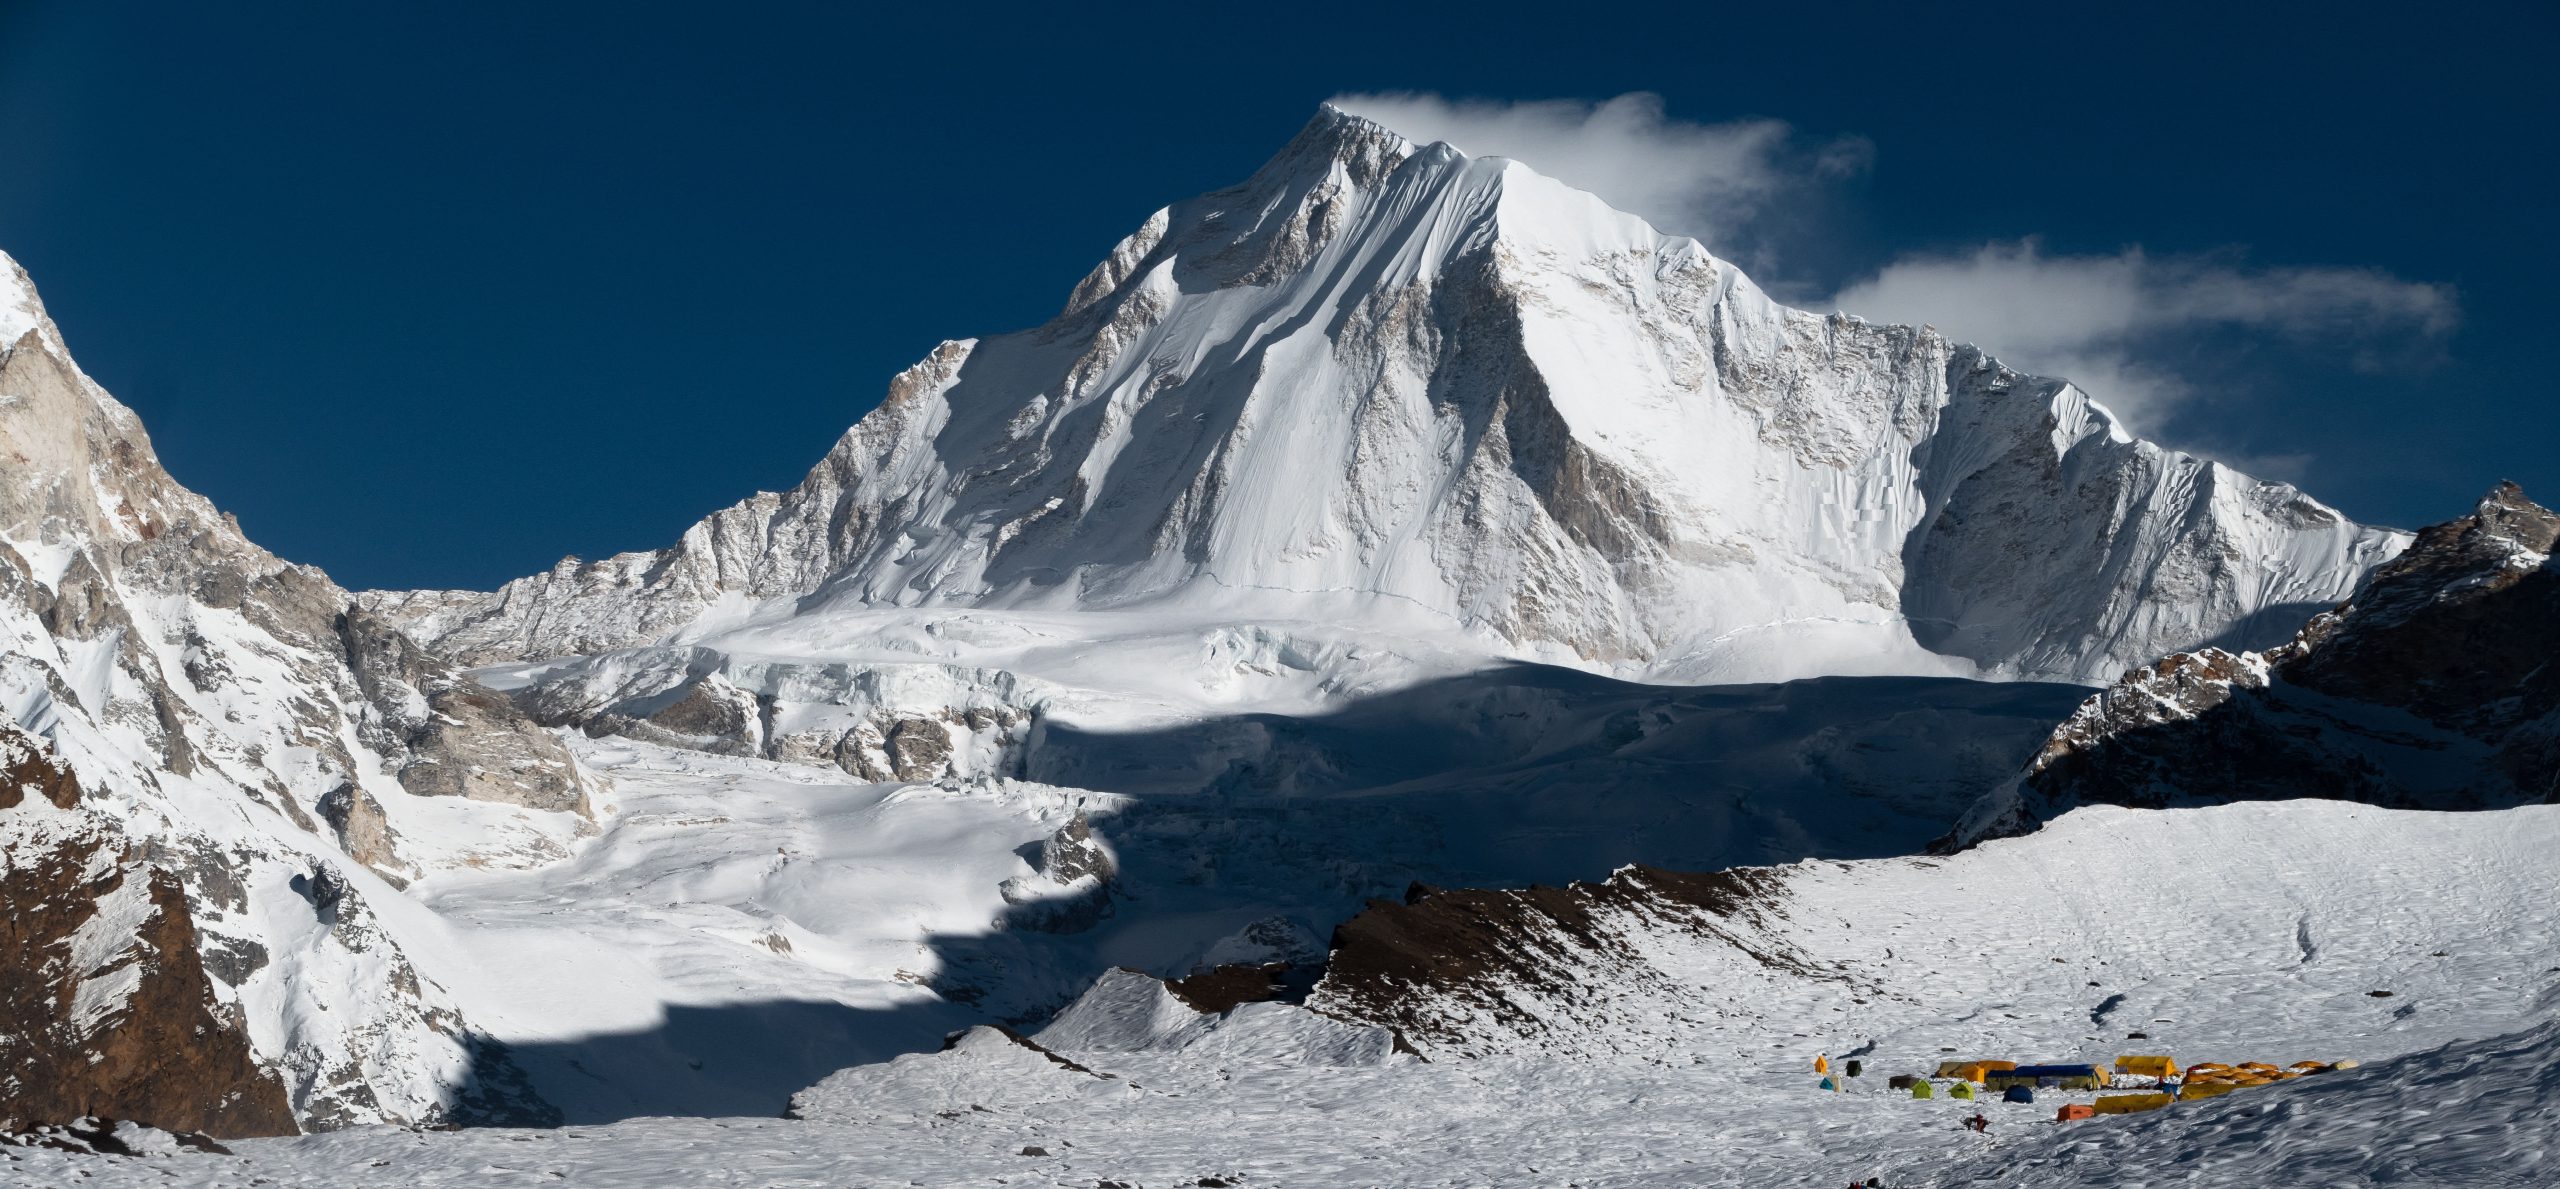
(1235, 831)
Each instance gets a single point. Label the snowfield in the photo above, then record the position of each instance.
(2293, 914)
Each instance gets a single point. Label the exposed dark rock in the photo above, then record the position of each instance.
(74, 1042)
(919, 749)
(1223, 988)
(1073, 852)
(1072, 892)
(1471, 952)
(25, 771)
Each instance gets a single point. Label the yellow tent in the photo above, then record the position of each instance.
(2126, 1104)
(2206, 1089)
(1972, 1071)
(2150, 1067)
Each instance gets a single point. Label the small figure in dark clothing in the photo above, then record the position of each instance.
(1977, 1123)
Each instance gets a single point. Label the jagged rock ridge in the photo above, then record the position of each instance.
(2430, 688)
(242, 733)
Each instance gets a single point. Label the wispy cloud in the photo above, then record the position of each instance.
(2100, 320)
(1706, 180)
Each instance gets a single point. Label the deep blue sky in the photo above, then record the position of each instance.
(432, 294)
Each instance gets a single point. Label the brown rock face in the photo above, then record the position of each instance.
(2433, 688)
(1223, 988)
(27, 773)
(1456, 970)
(99, 1014)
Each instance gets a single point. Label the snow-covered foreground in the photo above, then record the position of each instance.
(2244, 932)
(2473, 1116)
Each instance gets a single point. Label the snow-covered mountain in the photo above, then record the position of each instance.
(1395, 516)
(254, 766)
(1390, 384)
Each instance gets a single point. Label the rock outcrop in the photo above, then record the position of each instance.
(105, 1006)
(1071, 891)
(1474, 971)
(2431, 688)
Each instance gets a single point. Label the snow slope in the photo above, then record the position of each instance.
(2243, 929)
(739, 928)
(1387, 384)
(2297, 910)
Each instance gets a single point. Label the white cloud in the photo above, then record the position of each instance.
(2090, 318)
(1708, 181)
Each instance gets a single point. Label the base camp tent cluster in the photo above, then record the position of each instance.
(2158, 1080)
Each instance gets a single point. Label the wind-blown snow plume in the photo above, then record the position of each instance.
(1707, 180)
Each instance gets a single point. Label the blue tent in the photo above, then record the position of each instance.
(2018, 1094)
(2054, 1071)
(2047, 1077)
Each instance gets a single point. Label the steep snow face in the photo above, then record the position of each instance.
(270, 752)
(1380, 381)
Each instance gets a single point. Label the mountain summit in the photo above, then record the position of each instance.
(1393, 384)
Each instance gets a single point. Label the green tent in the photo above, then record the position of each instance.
(1962, 1090)
(1922, 1090)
